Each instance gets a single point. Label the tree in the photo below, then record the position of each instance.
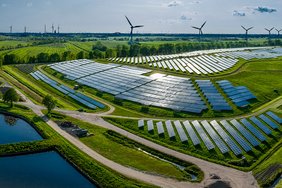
(110, 53)
(80, 55)
(42, 58)
(49, 103)
(11, 96)
(10, 59)
(55, 57)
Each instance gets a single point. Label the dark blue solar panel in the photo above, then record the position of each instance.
(265, 129)
(253, 130)
(268, 121)
(274, 116)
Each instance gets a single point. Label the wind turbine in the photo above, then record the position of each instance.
(269, 30)
(247, 30)
(24, 29)
(131, 29)
(53, 28)
(11, 29)
(58, 29)
(45, 28)
(278, 31)
(200, 28)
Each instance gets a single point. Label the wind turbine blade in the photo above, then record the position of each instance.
(195, 27)
(203, 24)
(128, 21)
(243, 27)
(250, 28)
(271, 28)
(138, 26)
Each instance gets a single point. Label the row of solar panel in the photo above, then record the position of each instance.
(87, 101)
(239, 95)
(236, 135)
(199, 65)
(216, 100)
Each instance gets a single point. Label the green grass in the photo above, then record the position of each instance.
(262, 77)
(12, 43)
(102, 175)
(26, 52)
(125, 155)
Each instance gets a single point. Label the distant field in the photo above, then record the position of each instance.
(11, 43)
(26, 52)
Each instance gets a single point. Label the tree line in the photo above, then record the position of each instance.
(100, 51)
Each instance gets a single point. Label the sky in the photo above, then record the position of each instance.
(157, 16)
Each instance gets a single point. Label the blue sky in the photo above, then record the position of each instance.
(169, 16)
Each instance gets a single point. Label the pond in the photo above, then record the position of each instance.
(13, 130)
(47, 169)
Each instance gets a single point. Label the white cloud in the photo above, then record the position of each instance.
(174, 3)
(239, 13)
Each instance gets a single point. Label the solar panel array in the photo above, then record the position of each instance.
(258, 53)
(215, 99)
(129, 83)
(205, 64)
(201, 62)
(168, 92)
(83, 99)
(239, 95)
(234, 135)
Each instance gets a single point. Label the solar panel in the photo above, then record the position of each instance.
(217, 140)
(160, 128)
(180, 131)
(275, 117)
(253, 130)
(245, 132)
(233, 146)
(208, 143)
(170, 129)
(236, 136)
(141, 123)
(191, 133)
(264, 128)
(150, 125)
(268, 121)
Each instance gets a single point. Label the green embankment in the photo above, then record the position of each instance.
(125, 152)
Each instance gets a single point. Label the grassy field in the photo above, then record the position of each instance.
(13, 44)
(30, 51)
(262, 77)
(127, 155)
(98, 173)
